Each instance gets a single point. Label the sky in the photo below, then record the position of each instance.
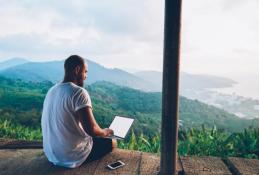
(219, 37)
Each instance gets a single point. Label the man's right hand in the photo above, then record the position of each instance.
(107, 132)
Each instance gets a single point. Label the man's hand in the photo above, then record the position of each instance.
(107, 132)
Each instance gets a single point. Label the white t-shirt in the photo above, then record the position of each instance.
(65, 142)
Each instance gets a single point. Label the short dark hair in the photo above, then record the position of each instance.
(71, 63)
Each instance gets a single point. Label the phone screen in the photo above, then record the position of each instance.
(114, 165)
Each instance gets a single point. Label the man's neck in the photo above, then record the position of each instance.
(67, 79)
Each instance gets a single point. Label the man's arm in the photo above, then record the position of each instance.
(86, 117)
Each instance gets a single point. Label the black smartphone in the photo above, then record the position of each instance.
(115, 165)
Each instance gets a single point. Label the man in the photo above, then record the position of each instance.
(70, 132)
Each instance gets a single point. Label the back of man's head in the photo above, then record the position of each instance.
(71, 63)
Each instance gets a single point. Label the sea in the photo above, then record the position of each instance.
(247, 86)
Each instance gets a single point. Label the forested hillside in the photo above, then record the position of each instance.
(21, 103)
(21, 106)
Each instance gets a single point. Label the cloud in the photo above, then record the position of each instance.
(129, 33)
(125, 30)
(213, 32)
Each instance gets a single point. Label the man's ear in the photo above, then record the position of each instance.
(77, 70)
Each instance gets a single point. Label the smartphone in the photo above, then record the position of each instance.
(115, 165)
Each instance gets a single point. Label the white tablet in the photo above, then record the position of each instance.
(121, 126)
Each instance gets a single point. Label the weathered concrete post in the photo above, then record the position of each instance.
(170, 93)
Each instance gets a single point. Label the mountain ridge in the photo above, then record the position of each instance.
(12, 62)
(150, 81)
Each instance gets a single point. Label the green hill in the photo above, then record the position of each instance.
(142, 104)
(21, 102)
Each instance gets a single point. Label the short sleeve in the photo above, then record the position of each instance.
(81, 99)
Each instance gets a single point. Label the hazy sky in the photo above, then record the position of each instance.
(218, 36)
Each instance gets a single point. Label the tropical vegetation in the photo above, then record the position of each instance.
(204, 129)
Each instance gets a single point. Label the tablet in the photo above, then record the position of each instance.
(120, 126)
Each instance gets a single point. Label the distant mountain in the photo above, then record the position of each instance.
(53, 71)
(188, 81)
(36, 71)
(117, 76)
(200, 81)
(144, 80)
(12, 62)
(153, 77)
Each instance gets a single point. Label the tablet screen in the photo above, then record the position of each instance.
(121, 126)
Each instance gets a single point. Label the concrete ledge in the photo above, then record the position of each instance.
(27, 161)
(33, 161)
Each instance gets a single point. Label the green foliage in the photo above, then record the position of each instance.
(198, 142)
(21, 104)
(203, 142)
(245, 144)
(141, 143)
(14, 131)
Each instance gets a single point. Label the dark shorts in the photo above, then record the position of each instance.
(101, 147)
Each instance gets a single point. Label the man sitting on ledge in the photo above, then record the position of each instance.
(70, 132)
